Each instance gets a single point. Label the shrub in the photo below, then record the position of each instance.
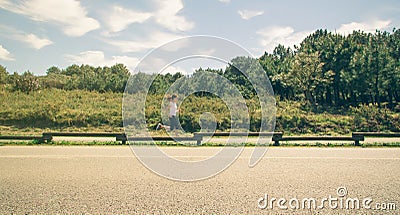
(26, 82)
(373, 118)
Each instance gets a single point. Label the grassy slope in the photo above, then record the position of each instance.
(58, 110)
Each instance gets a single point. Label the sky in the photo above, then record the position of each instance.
(38, 34)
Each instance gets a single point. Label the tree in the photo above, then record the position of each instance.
(117, 78)
(277, 65)
(3, 75)
(238, 69)
(306, 74)
(53, 70)
(26, 82)
(138, 83)
(393, 81)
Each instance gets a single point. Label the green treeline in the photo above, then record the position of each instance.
(332, 69)
(74, 77)
(326, 69)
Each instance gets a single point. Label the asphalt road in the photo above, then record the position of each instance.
(110, 180)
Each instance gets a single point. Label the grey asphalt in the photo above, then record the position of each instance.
(110, 180)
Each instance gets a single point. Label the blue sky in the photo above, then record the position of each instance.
(37, 34)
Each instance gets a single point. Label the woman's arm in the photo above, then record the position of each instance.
(169, 110)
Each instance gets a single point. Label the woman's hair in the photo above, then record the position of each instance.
(174, 96)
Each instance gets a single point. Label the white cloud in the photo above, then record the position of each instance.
(67, 14)
(271, 37)
(173, 70)
(130, 62)
(97, 58)
(369, 27)
(154, 40)
(167, 16)
(5, 54)
(248, 14)
(34, 41)
(94, 58)
(225, 1)
(121, 18)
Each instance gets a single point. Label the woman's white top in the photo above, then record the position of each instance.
(172, 109)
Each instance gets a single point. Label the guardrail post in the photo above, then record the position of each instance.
(124, 138)
(357, 138)
(121, 137)
(41, 140)
(198, 138)
(46, 137)
(276, 138)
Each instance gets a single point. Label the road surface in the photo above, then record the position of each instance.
(110, 180)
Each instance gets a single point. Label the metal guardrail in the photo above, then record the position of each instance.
(136, 139)
(355, 138)
(276, 136)
(48, 136)
(377, 134)
(37, 138)
(198, 137)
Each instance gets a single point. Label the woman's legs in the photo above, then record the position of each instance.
(173, 123)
